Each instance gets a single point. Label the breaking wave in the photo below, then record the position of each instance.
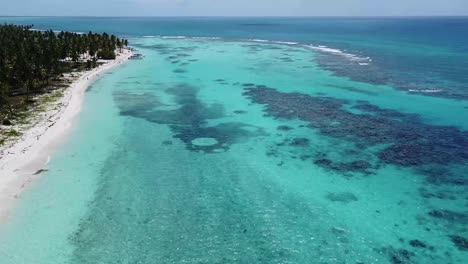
(361, 60)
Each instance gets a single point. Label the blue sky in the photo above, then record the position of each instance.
(234, 7)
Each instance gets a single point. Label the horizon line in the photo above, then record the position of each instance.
(240, 16)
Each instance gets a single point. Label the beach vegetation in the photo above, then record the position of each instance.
(106, 54)
(34, 62)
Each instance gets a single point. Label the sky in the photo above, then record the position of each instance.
(234, 7)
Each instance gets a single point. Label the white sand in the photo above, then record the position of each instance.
(20, 162)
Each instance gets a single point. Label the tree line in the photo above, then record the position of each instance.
(30, 59)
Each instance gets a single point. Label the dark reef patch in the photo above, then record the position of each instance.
(417, 243)
(402, 139)
(439, 175)
(272, 47)
(411, 81)
(460, 242)
(342, 197)
(174, 52)
(397, 255)
(450, 216)
(156, 46)
(361, 166)
(136, 104)
(240, 112)
(350, 68)
(167, 142)
(182, 55)
(179, 71)
(353, 89)
(286, 59)
(299, 142)
(295, 142)
(389, 113)
(284, 128)
(189, 121)
(443, 195)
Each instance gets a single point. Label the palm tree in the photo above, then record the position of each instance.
(29, 59)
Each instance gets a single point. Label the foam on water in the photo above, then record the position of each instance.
(349, 56)
(174, 37)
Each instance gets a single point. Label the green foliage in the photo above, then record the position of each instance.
(29, 59)
(106, 54)
(13, 133)
(50, 98)
(6, 135)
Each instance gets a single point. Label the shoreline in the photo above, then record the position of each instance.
(22, 161)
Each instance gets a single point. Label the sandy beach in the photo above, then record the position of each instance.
(24, 160)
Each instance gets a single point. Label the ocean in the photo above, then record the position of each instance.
(260, 140)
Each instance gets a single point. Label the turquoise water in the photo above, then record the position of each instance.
(230, 151)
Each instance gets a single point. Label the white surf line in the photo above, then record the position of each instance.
(363, 61)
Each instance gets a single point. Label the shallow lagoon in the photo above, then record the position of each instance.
(211, 151)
